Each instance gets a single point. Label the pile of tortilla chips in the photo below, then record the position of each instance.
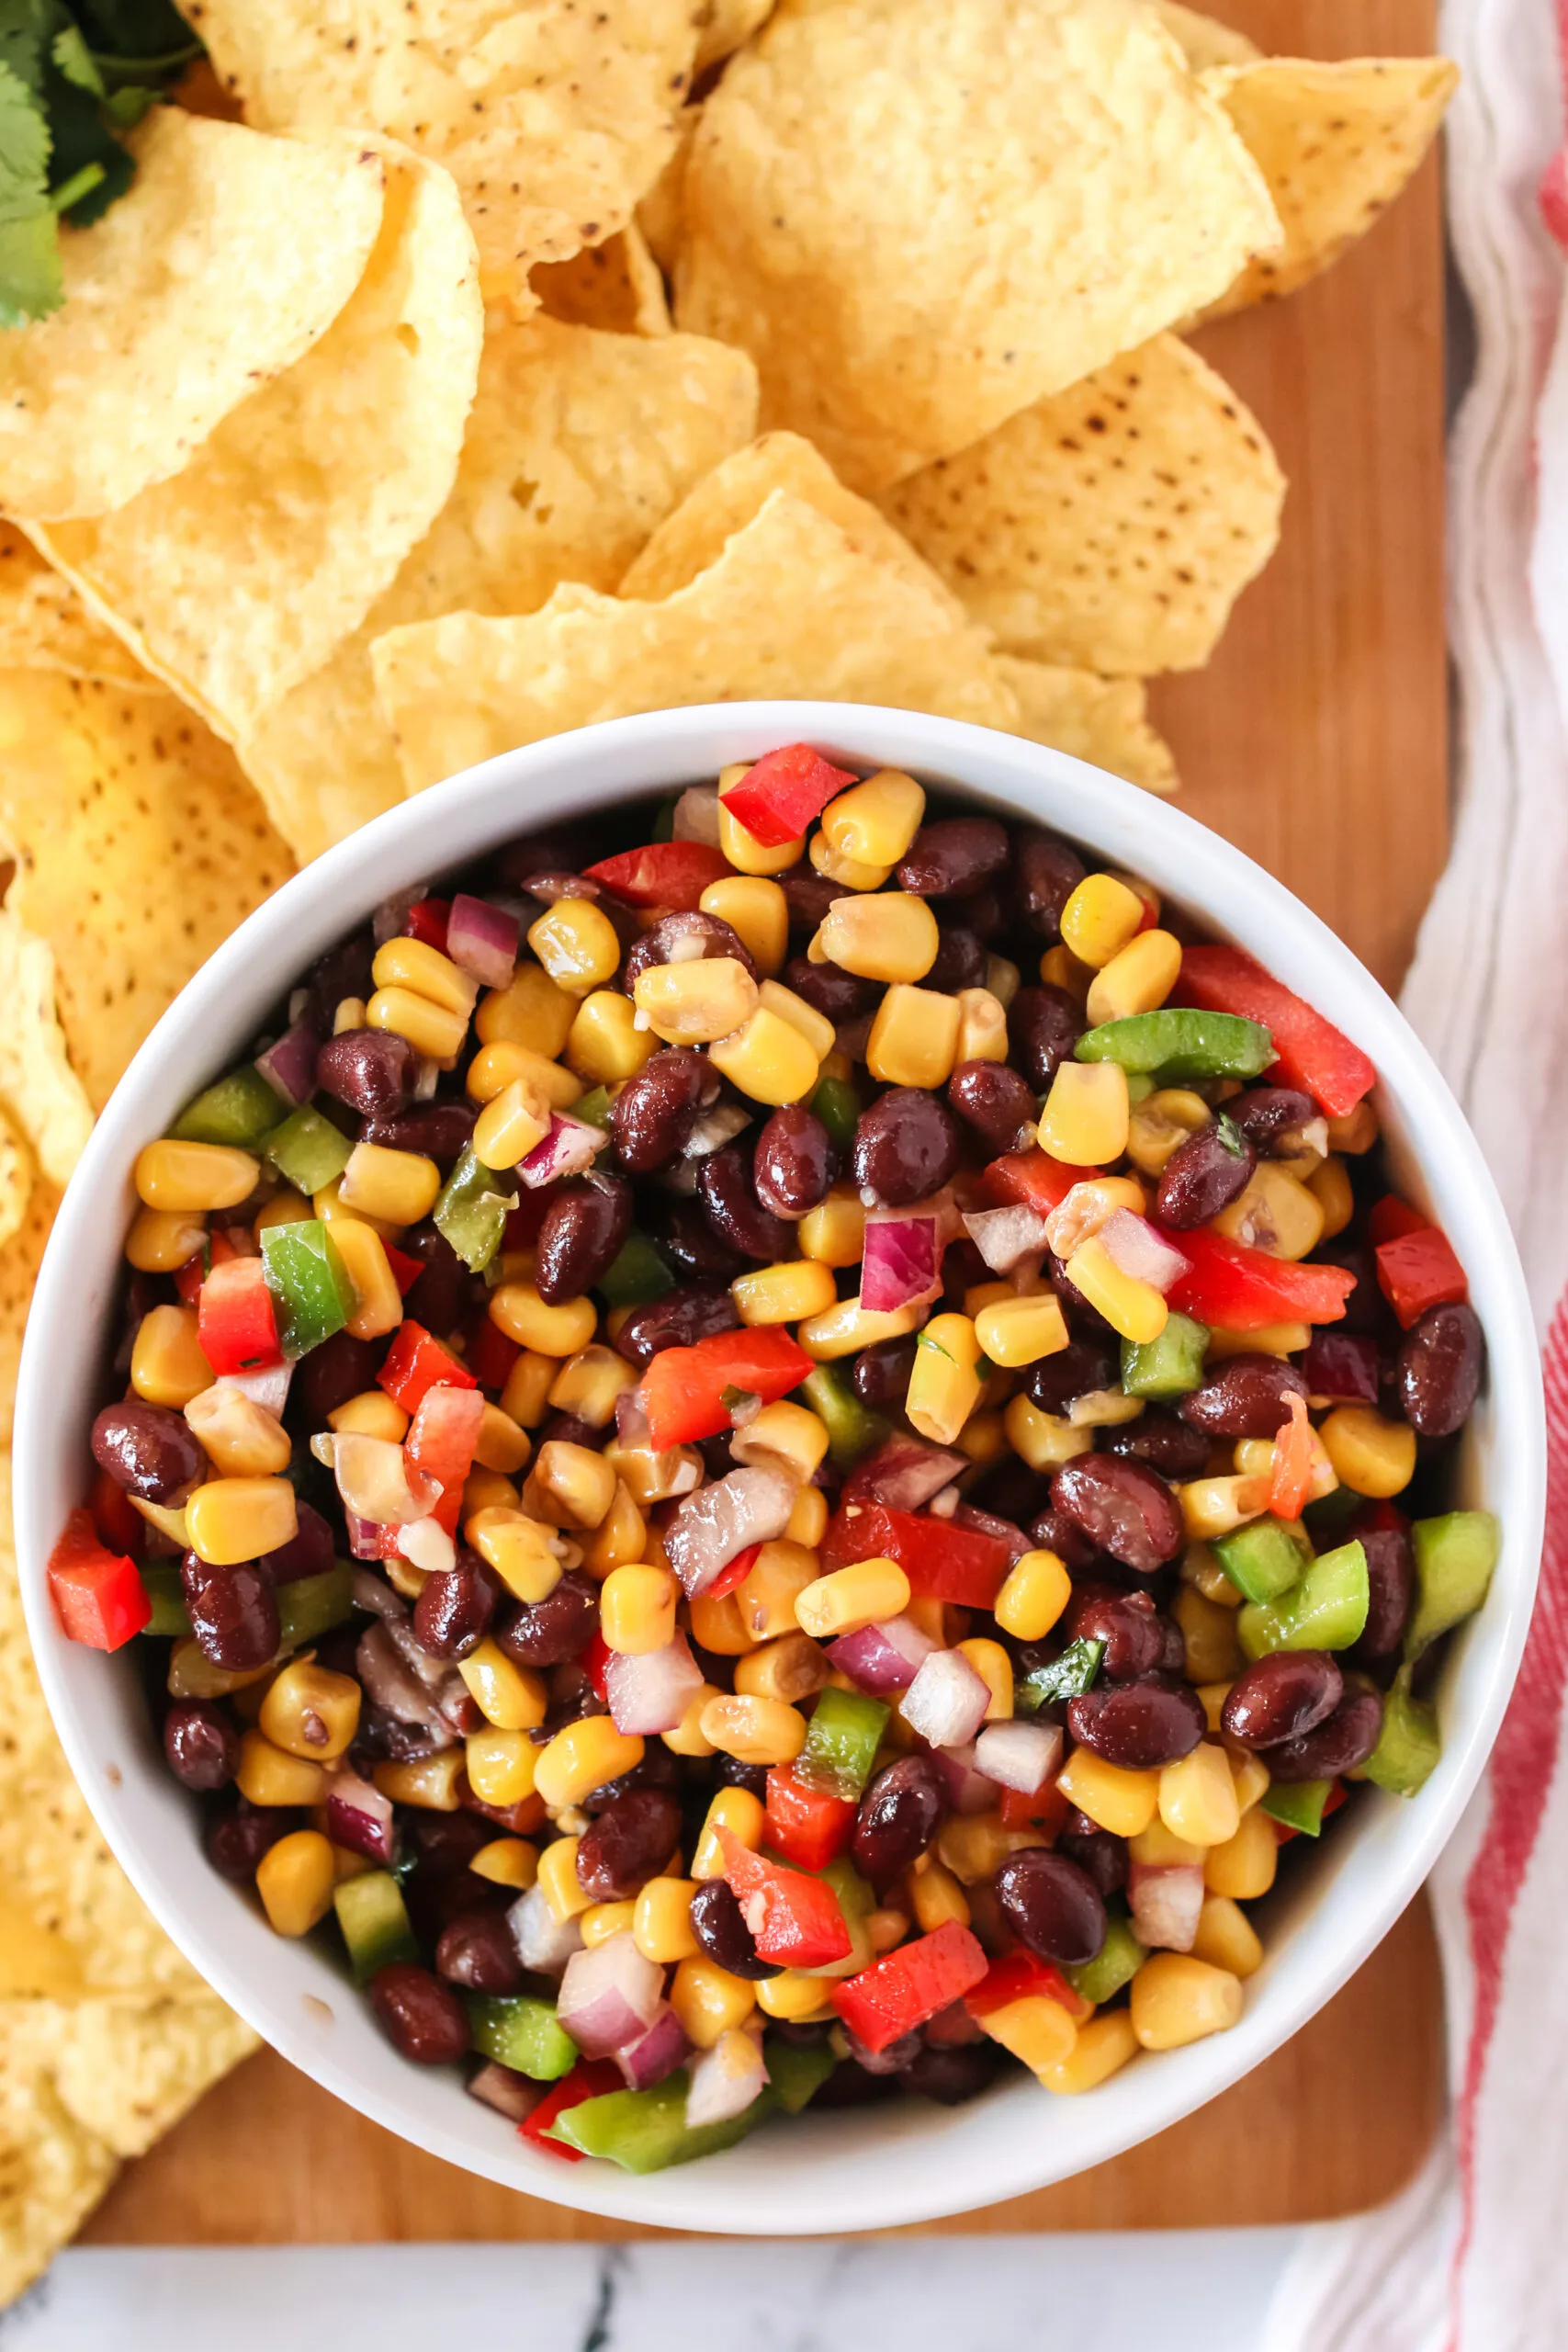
(511, 365)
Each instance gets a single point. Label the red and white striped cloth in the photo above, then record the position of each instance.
(1472, 2257)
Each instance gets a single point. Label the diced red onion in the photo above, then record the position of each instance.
(901, 1262)
(947, 1700)
(391, 1684)
(747, 1507)
(882, 1658)
(289, 1066)
(655, 2053)
(1165, 1901)
(391, 915)
(482, 940)
(1143, 1252)
(724, 2081)
(364, 1537)
(904, 1472)
(1342, 1365)
(969, 1789)
(375, 1596)
(696, 815)
(986, 1522)
(567, 1149)
(609, 1996)
(632, 1429)
(1006, 1237)
(267, 1389)
(510, 2094)
(359, 1816)
(651, 1694)
(1020, 1756)
(545, 1944)
(714, 1130)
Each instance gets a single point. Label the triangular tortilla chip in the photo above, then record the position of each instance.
(40, 1089)
(1098, 720)
(44, 625)
(616, 286)
(1203, 40)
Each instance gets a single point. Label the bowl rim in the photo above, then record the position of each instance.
(946, 2166)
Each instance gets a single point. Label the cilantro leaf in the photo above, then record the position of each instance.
(75, 60)
(27, 28)
(24, 150)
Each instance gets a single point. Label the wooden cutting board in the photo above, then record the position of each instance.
(1316, 740)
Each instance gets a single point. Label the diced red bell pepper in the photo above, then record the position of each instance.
(1311, 1053)
(1015, 1977)
(806, 1826)
(1035, 1180)
(416, 1363)
(910, 1985)
(216, 1250)
(1232, 1288)
(427, 920)
(1046, 1810)
(490, 1354)
(120, 1526)
(682, 1390)
(98, 1596)
(406, 1271)
(663, 873)
(1290, 1481)
(440, 1445)
(783, 792)
(590, 2078)
(794, 1920)
(942, 1562)
(519, 1820)
(1419, 1270)
(1390, 1218)
(734, 1573)
(593, 1661)
(236, 1328)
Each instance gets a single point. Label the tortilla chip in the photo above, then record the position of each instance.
(52, 2170)
(139, 847)
(1203, 40)
(1335, 142)
(235, 580)
(616, 285)
(726, 24)
(16, 1177)
(1113, 527)
(128, 2070)
(1098, 720)
(553, 118)
(920, 219)
(232, 254)
(19, 1261)
(40, 1091)
(44, 625)
(661, 215)
(790, 608)
(578, 444)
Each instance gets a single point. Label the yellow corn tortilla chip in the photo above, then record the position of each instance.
(726, 24)
(1098, 720)
(1335, 142)
(19, 1261)
(1203, 40)
(52, 2169)
(790, 608)
(920, 219)
(1111, 528)
(616, 286)
(229, 257)
(130, 2069)
(725, 501)
(236, 578)
(578, 444)
(661, 215)
(15, 1179)
(41, 1092)
(44, 625)
(138, 846)
(552, 117)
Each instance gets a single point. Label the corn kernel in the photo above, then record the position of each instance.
(1249, 1773)
(162, 1240)
(866, 1592)
(1177, 1999)
(310, 1711)
(1060, 969)
(1103, 2046)
(758, 912)
(844, 1330)
(238, 1438)
(295, 1880)
(834, 1231)
(789, 1670)
(790, 1435)
(1212, 1507)
(886, 1927)
(606, 1045)
(695, 1003)
(1013, 1330)
(511, 1124)
(808, 1523)
(486, 1490)
(783, 1294)
(1112, 1797)
(521, 1553)
(507, 1861)
(982, 1027)
(767, 1596)
(745, 851)
(914, 1038)
(892, 936)
(1330, 1188)
(1161, 1125)
(937, 1897)
(581, 1481)
(531, 1012)
(994, 1666)
(327, 1208)
(1043, 1440)
(1371, 1455)
(944, 1386)
(432, 1782)
(576, 943)
(686, 1739)
(510, 1696)
(589, 1383)
(603, 1920)
(379, 1303)
(231, 1520)
(757, 1731)
(286, 1207)
(502, 1446)
(1134, 1310)
(193, 1176)
(661, 1920)
(877, 820)
(501, 1764)
(814, 1027)
(620, 1537)
(767, 1059)
(269, 1775)
(518, 1309)
(527, 1391)
(1244, 1866)
(982, 1438)
(1208, 1628)
(1036, 2028)
(405, 963)
(429, 1028)
(1200, 1568)
(742, 1814)
(348, 1013)
(1003, 978)
(1137, 979)
(1355, 1131)
(1275, 1214)
(848, 872)
(495, 1067)
(792, 1998)
(651, 1478)
(1197, 1797)
(1101, 918)
(636, 1609)
(709, 2001)
(582, 1757)
(399, 1186)
(558, 1879)
(1226, 1937)
(1085, 1121)
(1035, 1593)
(1160, 1848)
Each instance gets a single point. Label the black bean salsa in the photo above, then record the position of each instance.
(772, 1467)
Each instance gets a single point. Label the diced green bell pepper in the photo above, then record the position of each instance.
(593, 1108)
(309, 1607)
(1116, 1964)
(838, 1105)
(471, 1211)
(647, 2130)
(241, 1109)
(637, 1276)
(308, 1151)
(1454, 1559)
(1298, 1803)
(1067, 1677)
(1180, 1043)
(841, 1742)
(1326, 1611)
(375, 1922)
(852, 1430)
(797, 2070)
(161, 1582)
(308, 1282)
(522, 2033)
(1167, 1366)
(664, 824)
(1409, 1743)
(1264, 1558)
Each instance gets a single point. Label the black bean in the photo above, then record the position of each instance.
(201, 1746)
(1053, 1531)
(444, 1843)
(1126, 1623)
(1052, 1905)
(899, 1815)
(1046, 873)
(442, 1291)
(561, 849)
(342, 971)
(476, 1951)
(729, 1202)
(721, 1931)
(1076, 1369)
(807, 895)
(953, 856)
(951, 2075)
(1043, 1025)
(582, 1233)
(734, 1772)
(310, 1550)
(1158, 1438)
(372, 1070)
(668, 942)
(794, 1162)
(657, 1770)
(960, 960)
(1084, 1322)
(1281, 1696)
(1439, 1368)
(679, 1319)
(880, 1375)
(237, 1840)
(655, 1111)
(895, 2058)
(1338, 1744)
(1125, 1508)
(438, 1131)
(1140, 1726)
(420, 2017)
(340, 1368)
(906, 1147)
(993, 1100)
(549, 1631)
(687, 1242)
(148, 1449)
(1246, 1396)
(1264, 1113)
(1366, 1310)
(567, 1428)
(1384, 1534)
(1099, 1853)
(232, 1610)
(1202, 1176)
(628, 1843)
(838, 996)
(452, 1614)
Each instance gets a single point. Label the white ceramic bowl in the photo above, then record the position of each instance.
(898, 2163)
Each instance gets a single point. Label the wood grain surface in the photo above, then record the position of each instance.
(1316, 740)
